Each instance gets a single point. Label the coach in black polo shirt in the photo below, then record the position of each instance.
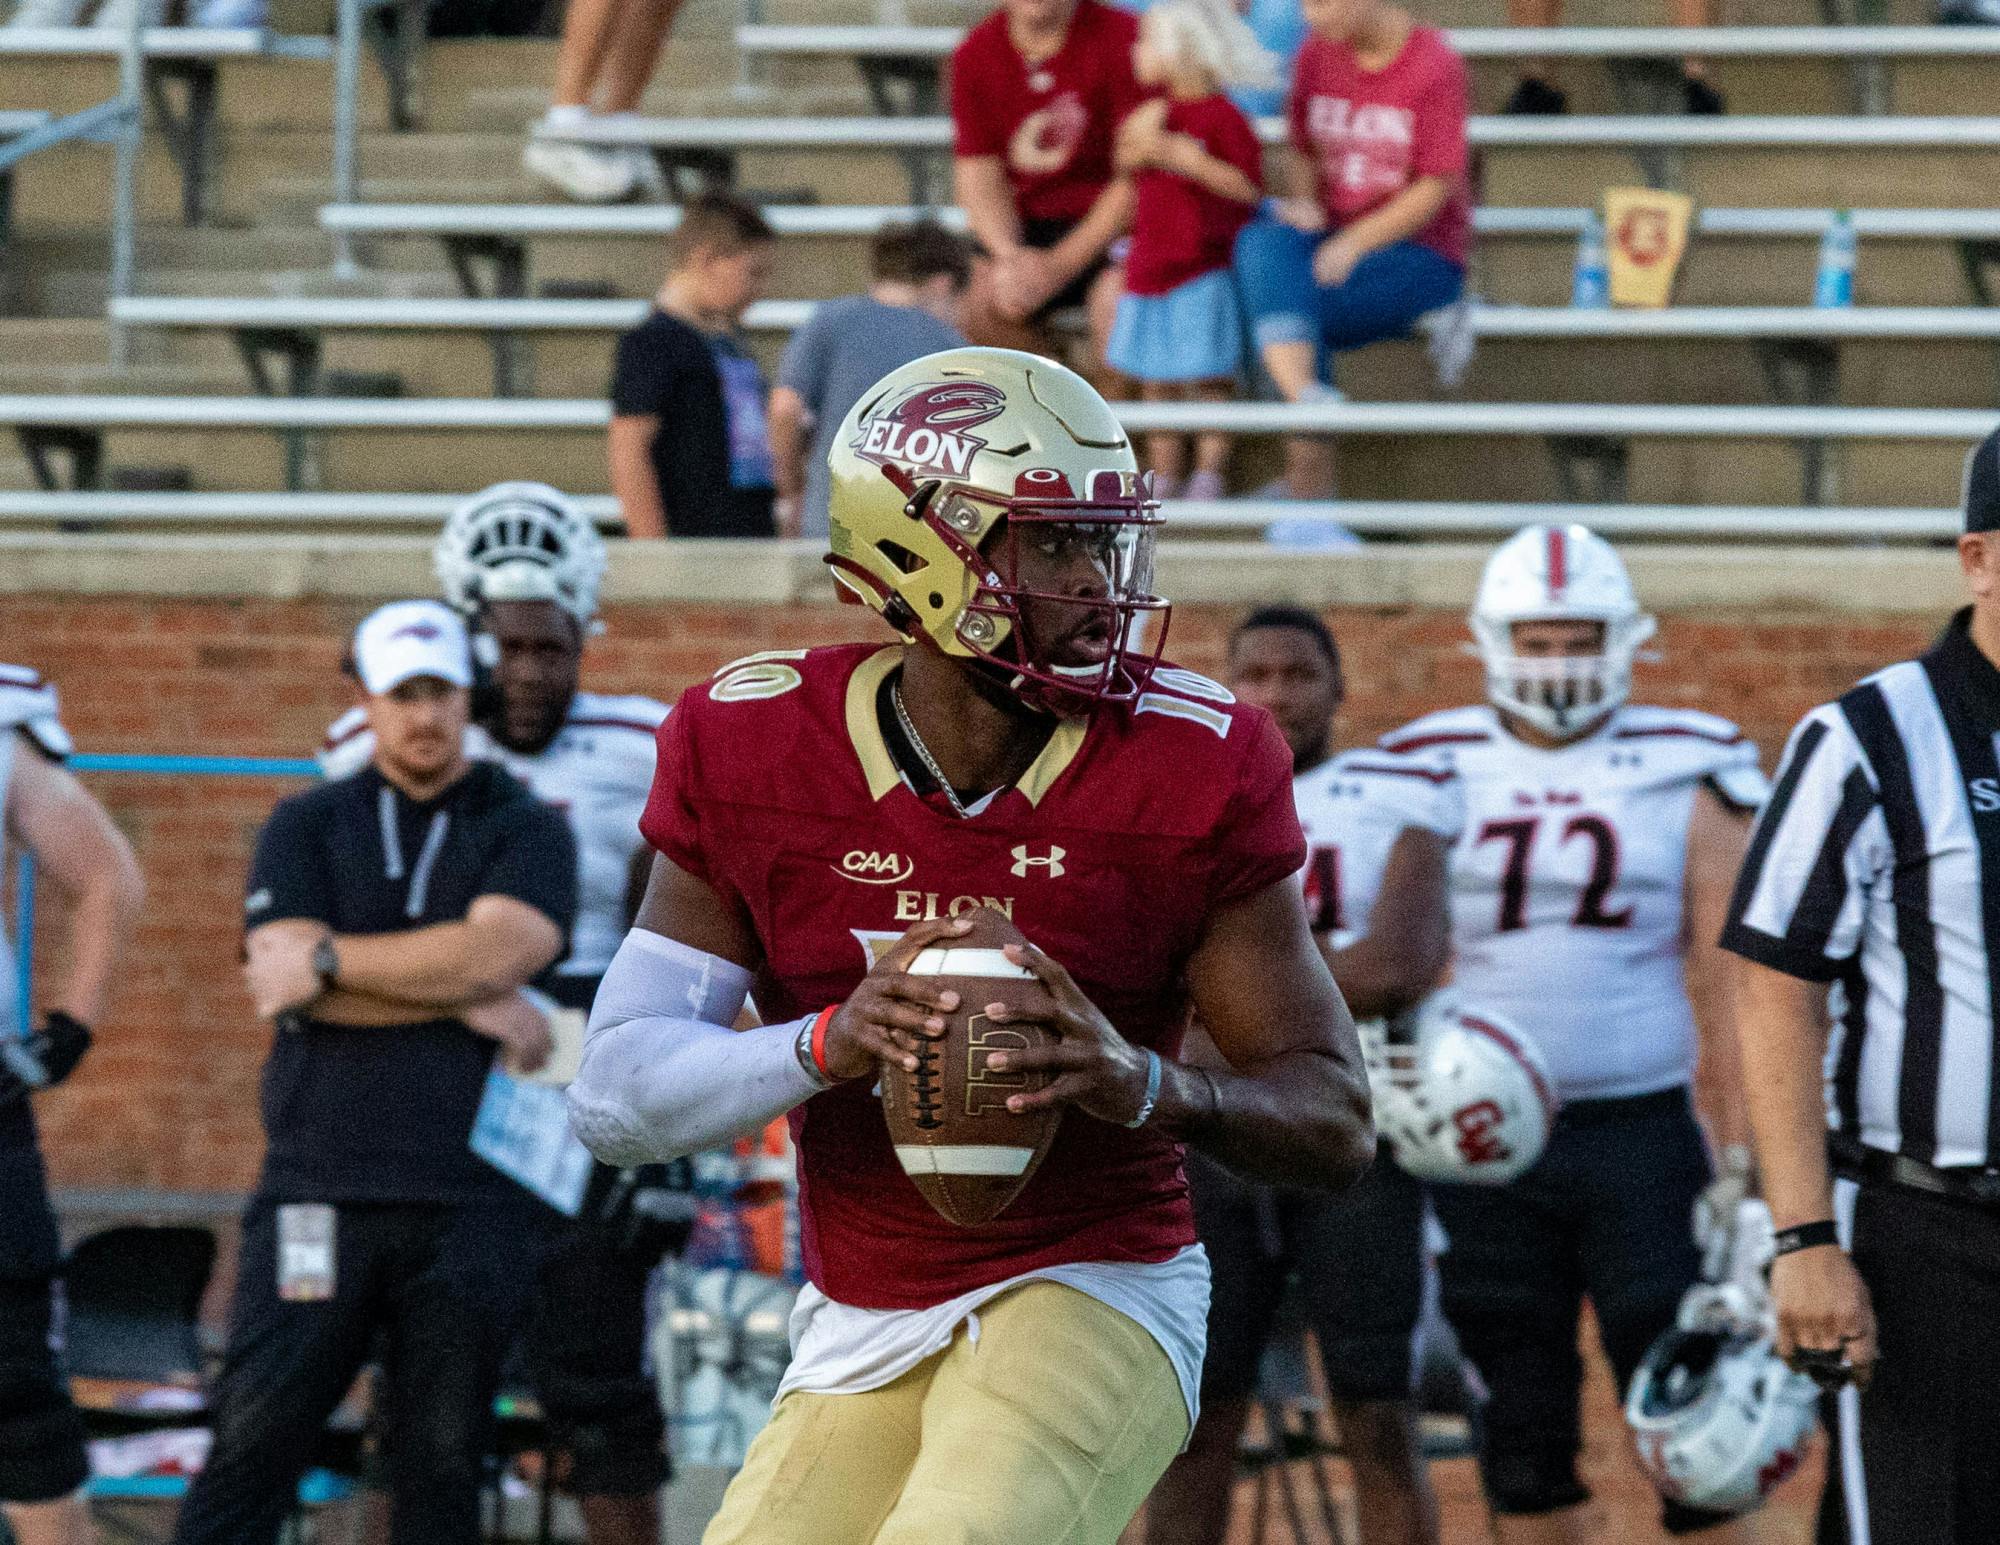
(1870, 894)
(393, 917)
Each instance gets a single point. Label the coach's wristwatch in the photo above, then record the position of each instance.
(326, 963)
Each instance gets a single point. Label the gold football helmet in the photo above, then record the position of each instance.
(946, 467)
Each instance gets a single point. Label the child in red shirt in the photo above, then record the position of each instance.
(1377, 112)
(1198, 173)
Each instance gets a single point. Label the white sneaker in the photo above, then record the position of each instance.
(47, 13)
(581, 172)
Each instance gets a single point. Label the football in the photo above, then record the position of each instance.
(955, 1137)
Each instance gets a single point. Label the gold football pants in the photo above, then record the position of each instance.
(1048, 1430)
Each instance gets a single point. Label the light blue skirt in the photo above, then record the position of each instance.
(1194, 332)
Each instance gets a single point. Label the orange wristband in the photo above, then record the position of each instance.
(819, 1039)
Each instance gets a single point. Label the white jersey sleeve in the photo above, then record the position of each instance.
(1408, 789)
(347, 747)
(1354, 809)
(1711, 748)
(1820, 845)
(599, 771)
(28, 706)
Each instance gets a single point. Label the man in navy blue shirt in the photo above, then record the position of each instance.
(393, 917)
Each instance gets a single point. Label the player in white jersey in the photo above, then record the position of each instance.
(1379, 826)
(523, 563)
(42, 1464)
(1589, 888)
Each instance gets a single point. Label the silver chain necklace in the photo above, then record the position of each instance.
(923, 751)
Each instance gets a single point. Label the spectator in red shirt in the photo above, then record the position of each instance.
(1377, 112)
(1198, 172)
(1037, 92)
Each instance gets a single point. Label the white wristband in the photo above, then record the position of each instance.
(1154, 1068)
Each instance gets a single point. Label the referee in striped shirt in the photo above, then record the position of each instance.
(1870, 900)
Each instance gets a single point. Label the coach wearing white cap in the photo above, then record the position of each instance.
(392, 917)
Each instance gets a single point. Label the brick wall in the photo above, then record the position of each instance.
(168, 1100)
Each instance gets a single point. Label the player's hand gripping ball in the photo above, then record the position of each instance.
(948, 1116)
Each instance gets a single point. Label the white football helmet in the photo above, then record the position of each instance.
(1557, 573)
(521, 542)
(1465, 1099)
(1718, 1419)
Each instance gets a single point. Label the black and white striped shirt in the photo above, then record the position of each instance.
(1876, 867)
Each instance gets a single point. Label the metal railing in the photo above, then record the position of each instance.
(122, 121)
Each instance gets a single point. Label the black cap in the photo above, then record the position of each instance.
(1982, 485)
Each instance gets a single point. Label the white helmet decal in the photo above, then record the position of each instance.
(1466, 1099)
(1557, 573)
(521, 542)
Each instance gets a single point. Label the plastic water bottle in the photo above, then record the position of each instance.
(1837, 251)
(1590, 286)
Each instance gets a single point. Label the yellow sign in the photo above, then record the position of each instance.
(1646, 231)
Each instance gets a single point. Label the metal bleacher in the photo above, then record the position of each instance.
(705, 152)
(14, 125)
(182, 65)
(1742, 363)
(1589, 438)
(501, 234)
(902, 65)
(1237, 518)
(1836, 42)
(281, 341)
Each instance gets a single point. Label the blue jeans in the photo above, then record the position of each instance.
(1388, 290)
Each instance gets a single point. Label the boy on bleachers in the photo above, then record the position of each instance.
(911, 309)
(690, 447)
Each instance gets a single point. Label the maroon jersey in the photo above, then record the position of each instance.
(1181, 230)
(775, 785)
(1369, 134)
(1051, 124)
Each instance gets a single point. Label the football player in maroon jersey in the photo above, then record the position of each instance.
(821, 816)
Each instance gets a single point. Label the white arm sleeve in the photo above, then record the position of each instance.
(663, 1074)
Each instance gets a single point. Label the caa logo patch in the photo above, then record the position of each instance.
(928, 429)
(872, 868)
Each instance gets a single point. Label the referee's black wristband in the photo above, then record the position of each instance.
(1806, 1236)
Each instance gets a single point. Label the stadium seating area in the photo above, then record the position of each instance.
(468, 315)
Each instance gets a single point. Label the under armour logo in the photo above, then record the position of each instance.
(1051, 861)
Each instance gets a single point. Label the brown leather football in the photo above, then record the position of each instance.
(955, 1137)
